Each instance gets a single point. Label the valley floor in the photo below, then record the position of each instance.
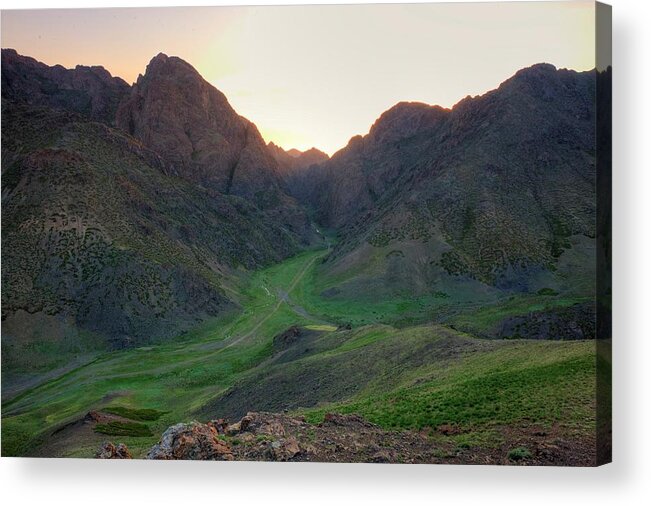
(474, 400)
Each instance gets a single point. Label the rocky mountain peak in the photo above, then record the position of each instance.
(177, 113)
(87, 90)
(405, 119)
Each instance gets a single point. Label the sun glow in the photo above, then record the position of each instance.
(317, 75)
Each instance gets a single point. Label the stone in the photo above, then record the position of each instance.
(283, 450)
(110, 451)
(191, 441)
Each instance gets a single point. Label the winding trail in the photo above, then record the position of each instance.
(276, 306)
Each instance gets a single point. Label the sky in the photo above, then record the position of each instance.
(318, 75)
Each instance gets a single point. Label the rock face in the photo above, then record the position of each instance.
(111, 451)
(175, 112)
(191, 441)
(90, 91)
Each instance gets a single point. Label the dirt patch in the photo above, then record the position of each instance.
(79, 434)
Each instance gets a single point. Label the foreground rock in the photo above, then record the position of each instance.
(110, 451)
(191, 441)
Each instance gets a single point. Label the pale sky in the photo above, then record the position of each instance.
(317, 75)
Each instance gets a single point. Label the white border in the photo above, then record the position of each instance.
(625, 482)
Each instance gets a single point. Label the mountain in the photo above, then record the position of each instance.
(173, 111)
(109, 240)
(497, 193)
(178, 114)
(298, 169)
(89, 91)
(294, 160)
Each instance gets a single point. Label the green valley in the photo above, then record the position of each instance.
(398, 377)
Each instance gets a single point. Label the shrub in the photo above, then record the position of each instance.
(517, 454)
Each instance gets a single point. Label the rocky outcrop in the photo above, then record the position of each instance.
(287, 338)
(275, 437)
(110, 451)
(90, 91)
(191, 441)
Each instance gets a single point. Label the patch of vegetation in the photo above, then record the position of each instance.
(453, 264)
(142, 415)
(518, 454)
(547, 291)
(560, 234)
(322, 328)
(115, 428)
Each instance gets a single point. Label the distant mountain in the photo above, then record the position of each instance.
(90, 91)
(294, 160)
(298, 169)
(493, 191)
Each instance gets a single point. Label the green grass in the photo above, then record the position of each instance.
(133, 429)
(172, 379)
(143, 415)
(517, 454)
(322, 328)
(540, 383)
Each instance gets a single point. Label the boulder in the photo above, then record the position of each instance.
(191, 441)
(110, 451)
(283, 450)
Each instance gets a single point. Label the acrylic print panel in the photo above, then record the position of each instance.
(354, 233)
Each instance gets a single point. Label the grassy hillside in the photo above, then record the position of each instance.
(409, 377)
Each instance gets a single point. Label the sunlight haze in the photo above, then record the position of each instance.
(318, 75)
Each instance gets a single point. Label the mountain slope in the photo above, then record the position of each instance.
(110, 241)
(497, 193)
